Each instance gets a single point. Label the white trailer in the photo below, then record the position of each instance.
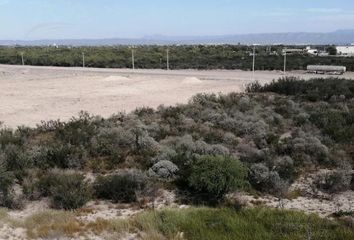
(323, 69)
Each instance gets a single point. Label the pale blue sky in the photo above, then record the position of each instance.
(48, 19)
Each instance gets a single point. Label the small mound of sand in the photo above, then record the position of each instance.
(191, 80)
(116, 79)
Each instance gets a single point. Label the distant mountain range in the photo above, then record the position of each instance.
(340, 37)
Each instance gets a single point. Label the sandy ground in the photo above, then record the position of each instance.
(93, 211)
(309, 201)
(30, 94)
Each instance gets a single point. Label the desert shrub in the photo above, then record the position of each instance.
(64, 155)
(45, 182)
(143, 143)
(166, 153)
(78, 131)
(230, 139)
(302, 118)
(249, 152)
(305, 149)
(38, 155)
(287, 108)
(6, 181)
(337, 124)
(8, 136)
(116, 143)
(214, 176)
(144, 111)
(186, 150)
(254, 87)
(16, 158)
(245, 103)
(334, 182)
(265, 180)
(71, 192)
(31, 184)
(121, 187)
(313, 90)
(284, 166)
(66, 190)
(164, 170)
(146, 145)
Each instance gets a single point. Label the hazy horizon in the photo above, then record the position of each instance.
(106, 19)
(162, 36)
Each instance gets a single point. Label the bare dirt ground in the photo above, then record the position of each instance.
(308, 200)
(30, 94)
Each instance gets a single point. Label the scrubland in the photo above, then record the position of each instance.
(212, 168)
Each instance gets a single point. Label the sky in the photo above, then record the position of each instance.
(78, 19)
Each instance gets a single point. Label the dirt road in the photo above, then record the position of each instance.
(30, 94)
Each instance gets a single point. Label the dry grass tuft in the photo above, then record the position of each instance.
(293, 194)
(58, 224)
(52, 224)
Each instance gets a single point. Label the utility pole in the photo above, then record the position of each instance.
(133, 59)
(23, 61)
(254, 61)
(83, 60)
(168, 59)
(285, 61)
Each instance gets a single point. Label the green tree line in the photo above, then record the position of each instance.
(181, 57)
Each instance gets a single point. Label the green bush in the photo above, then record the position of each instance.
(6, 181)
(214, 176)
(266, 180)
(114, 142)
(30, 184)
(16, 158)
(334, 182)
(119, 187)
(66, 190)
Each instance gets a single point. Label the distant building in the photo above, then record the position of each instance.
(292, 51)
(311, 51)
(345, 50)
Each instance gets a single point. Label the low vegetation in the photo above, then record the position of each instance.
(181, 57)
(262, 139)
(216, 176)
(192, 223)
(120, 187)
(259, 141)
(249, 224)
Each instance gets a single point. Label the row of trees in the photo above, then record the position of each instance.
(154, 57)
